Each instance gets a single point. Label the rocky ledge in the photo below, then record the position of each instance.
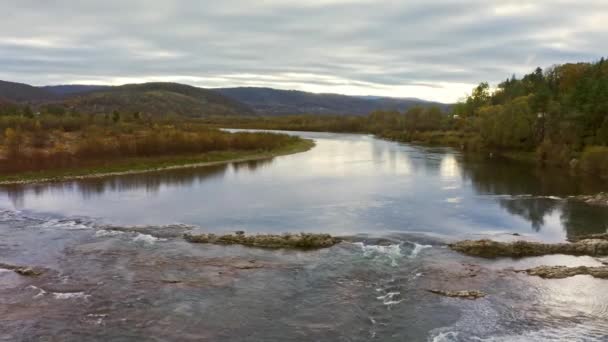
(560, 272)
(22, 270)
(289, 241)
(602, 236)
(519, 249)
(465, 294)
(598, 199)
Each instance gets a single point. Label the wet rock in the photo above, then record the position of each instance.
(464, 294)
(22, 270)
(603, 236)
(560, 272)
(290, 241)
(519, 249)
(598, 199)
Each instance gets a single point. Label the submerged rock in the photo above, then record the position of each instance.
(560, 272)
(22, 270)
(161, 232)
(598, 199)
(291, 241)
(519, 249)
(465, 294)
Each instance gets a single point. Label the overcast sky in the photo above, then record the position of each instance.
(432, 49)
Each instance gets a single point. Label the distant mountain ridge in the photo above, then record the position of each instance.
(20, 92)
(269, 101)
(156, 99)
(160, 99)
(74, 89)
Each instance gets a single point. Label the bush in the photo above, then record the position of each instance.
(594, 160)
(550, 153)
(72, 141)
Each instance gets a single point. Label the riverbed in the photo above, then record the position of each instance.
(116, 268)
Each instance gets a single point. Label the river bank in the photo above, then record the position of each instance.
(131, 166)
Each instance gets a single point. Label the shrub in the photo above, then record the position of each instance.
(594, 160)
(554, 154)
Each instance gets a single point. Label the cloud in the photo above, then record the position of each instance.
(432, 49)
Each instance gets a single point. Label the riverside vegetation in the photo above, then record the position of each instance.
(557, 116)
(49, 146)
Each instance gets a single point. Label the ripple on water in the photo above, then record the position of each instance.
(58, 295)
(391, 298)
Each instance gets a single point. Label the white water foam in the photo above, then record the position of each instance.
(146, 239)
(390, 298)
(70, 295)
(59, 295)
(449, 336)
(70, 224)
(10, 215)
(104, 233)
(40, 293)
(96, 319)
(392, 252)
(417, 249)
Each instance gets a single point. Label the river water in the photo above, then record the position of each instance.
(116, 268)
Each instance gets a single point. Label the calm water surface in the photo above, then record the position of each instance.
(116, 268)
(347, 184)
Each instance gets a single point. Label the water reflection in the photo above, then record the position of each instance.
(346, 184)
(449, 168)
(150, 183)
(533, 210)
(537, 193)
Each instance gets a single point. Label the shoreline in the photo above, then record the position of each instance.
(84, 173)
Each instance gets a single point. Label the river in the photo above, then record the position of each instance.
(116, 268)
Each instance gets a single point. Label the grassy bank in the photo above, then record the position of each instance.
(124, 166)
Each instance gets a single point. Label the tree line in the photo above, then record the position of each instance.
(558, 115)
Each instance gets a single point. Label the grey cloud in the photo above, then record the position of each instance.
(369, 45)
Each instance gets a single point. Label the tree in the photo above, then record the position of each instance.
(431, 119)
(40, 137)
(481, 95)
(57, 110)
(115, 116)
(13, 140)
(27, 112)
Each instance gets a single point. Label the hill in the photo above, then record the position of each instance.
(157, 99)
(73, 89)
(160, 99)
(20, 92)
(268, 101)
